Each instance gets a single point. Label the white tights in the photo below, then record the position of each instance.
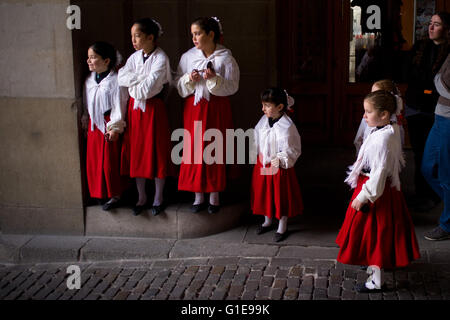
(159, 188)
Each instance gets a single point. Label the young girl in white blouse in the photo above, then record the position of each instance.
(103, 119)
(207, 75)
(378, 230)
(275, 189)
(146, 150)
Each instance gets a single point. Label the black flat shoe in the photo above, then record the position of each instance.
(195, 208)
(280, 236)
(111, 205)
(361, 288)
(137, 210)
(213, 209)
(260, 229)
(157, 209)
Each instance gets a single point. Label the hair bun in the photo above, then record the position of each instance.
(290, 101)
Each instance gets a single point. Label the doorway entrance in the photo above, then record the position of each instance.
(335, 50)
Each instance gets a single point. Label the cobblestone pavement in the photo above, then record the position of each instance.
(230, 278)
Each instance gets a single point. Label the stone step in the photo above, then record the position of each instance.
(175, 222)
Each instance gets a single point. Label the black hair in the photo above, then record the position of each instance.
(148, 26)
(106, 51)
(382, 101)
(445, 17)
(208, 25)
(275, 95)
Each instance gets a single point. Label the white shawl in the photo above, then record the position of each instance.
(145, 80)
(226, 82)
(102, 97)
(282, 141)
(382, 152)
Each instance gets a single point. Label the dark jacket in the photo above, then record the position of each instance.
(421, 93)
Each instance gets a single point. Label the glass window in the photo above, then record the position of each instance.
(382, 32)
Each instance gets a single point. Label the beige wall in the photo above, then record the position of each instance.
(40, 185)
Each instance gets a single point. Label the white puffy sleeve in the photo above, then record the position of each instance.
(291, 148)
(185, 86)
(152, 84)
(117, 121)
(127, 75)
(225, 84)
(373, 188)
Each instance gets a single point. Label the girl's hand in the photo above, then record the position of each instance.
(209, 73)
(194, 75)
(111, 136)
(356, 204)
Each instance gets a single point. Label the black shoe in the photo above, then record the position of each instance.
(260, 229)
(361, 288)
(137, 210)
(111, 205)
(280, 236)
(213, 209)
(157, 209)
(437, 234)
(195, 208)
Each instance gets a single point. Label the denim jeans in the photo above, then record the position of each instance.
(436, 165)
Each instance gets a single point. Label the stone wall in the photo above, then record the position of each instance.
(40, 182)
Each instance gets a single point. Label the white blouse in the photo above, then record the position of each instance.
(145, 80)
(282, 141)
(102, 97)
(225, 83)
(382, 153)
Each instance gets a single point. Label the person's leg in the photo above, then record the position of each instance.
(436, 169)
(140, 184)
(282, 225)
(430, 160)
(214, 198)
(444, 170)
(199, 198)
(159, 190)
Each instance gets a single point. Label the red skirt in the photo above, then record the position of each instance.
(103, 165)
(384, 236)
(146, 148)
(275, 195)
(195, 174)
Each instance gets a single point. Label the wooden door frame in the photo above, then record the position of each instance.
(284, 25)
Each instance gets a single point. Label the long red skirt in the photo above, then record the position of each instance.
(275, 195)
(146, 148)
(384, 236)
(103, 165)
(195, 174)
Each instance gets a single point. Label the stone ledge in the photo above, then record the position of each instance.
(176, 222)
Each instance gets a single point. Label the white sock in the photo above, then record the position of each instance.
(113, 200)
(376, 278)
(214, 198)
(267, 222)
(199, 198)
(159, 188)
(140, 184)
(282, 225)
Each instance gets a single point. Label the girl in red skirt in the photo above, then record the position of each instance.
(103, 119)
(378, 230)
(275, 189)
(146, 149)
(207, 75)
